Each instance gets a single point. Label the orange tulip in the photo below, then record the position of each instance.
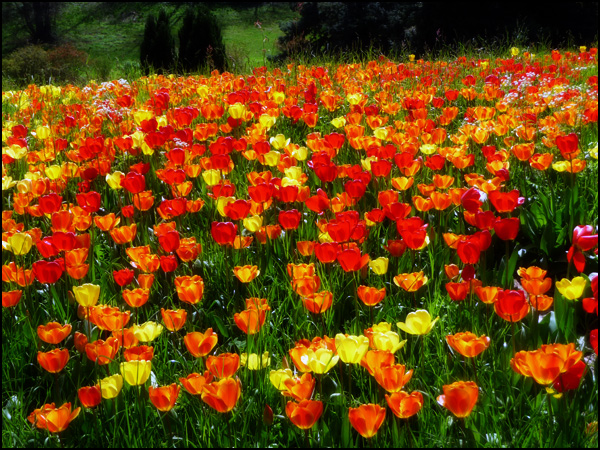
(300, 388)
(190, 289)
(90, 396)
(405, 405)
(138, 353)
(488, 294)
(224, 365)
(468, 344)
(250, 321)
(222, 395)
(376, 359)
(102, 352)
(319, 302)
(410, 282)
(164, 397)
(108, 222)
(367, 419)
(547, 363)
(108, 317)
(173, 319)
(124, 234)
(136, 297)
(393, 378)
(53, 332)
(370, 296)
(246, 273)
(200, 344)
(541, 302)
(126, 337)
(194, 383)
(53, 361)
(11, 298)
(459, 398)
(304, 414)
(53, 419)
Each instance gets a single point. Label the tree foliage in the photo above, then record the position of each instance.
(200, 41)
(157, 50)
(338, 27)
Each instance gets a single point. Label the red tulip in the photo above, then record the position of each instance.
(289, 220)
(48, 272)
(134, 182)
(512, 306)
(223, 233)
(507, 229)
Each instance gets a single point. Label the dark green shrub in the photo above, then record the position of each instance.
(27, 64)
(157, 50)
(201, 41)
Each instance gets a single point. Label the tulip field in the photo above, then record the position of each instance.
(388, 253)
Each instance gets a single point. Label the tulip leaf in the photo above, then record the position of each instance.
(220, 325)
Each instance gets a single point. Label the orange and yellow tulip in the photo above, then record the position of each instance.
(164, 397)
(222, 395)
(305, 413)
(459, 397)
(367, 419)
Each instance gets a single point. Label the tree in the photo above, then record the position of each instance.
(38, 19)
(157, 49)
(201, 41)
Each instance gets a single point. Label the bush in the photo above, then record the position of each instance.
(158, 49)
(201, 41)
(27, 64)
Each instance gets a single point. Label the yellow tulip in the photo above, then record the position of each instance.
(237, 111)
(147, 331)
(255, 361)
(321, 360)
(294, 172)
(381, 133)
(278, 97)
(388, 340)
(560, 166)
(15, 151)
(272, 158)
(114, 180)
(411, 57)
(354, 99)
(301, 153)
(418, 322)
(212, 177)
(338, 122)
(379, 265)
(428, 149)
(87, 294)
(253, 223)
(8, 182)
(267, 121)
(54, 172)
(203, 91)
(514, 51)
(42, 132)
(20, 243)
(571, 289)
(279, 142)
(136, 372)
(278, 378)
(111, 386)
(351, 349)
